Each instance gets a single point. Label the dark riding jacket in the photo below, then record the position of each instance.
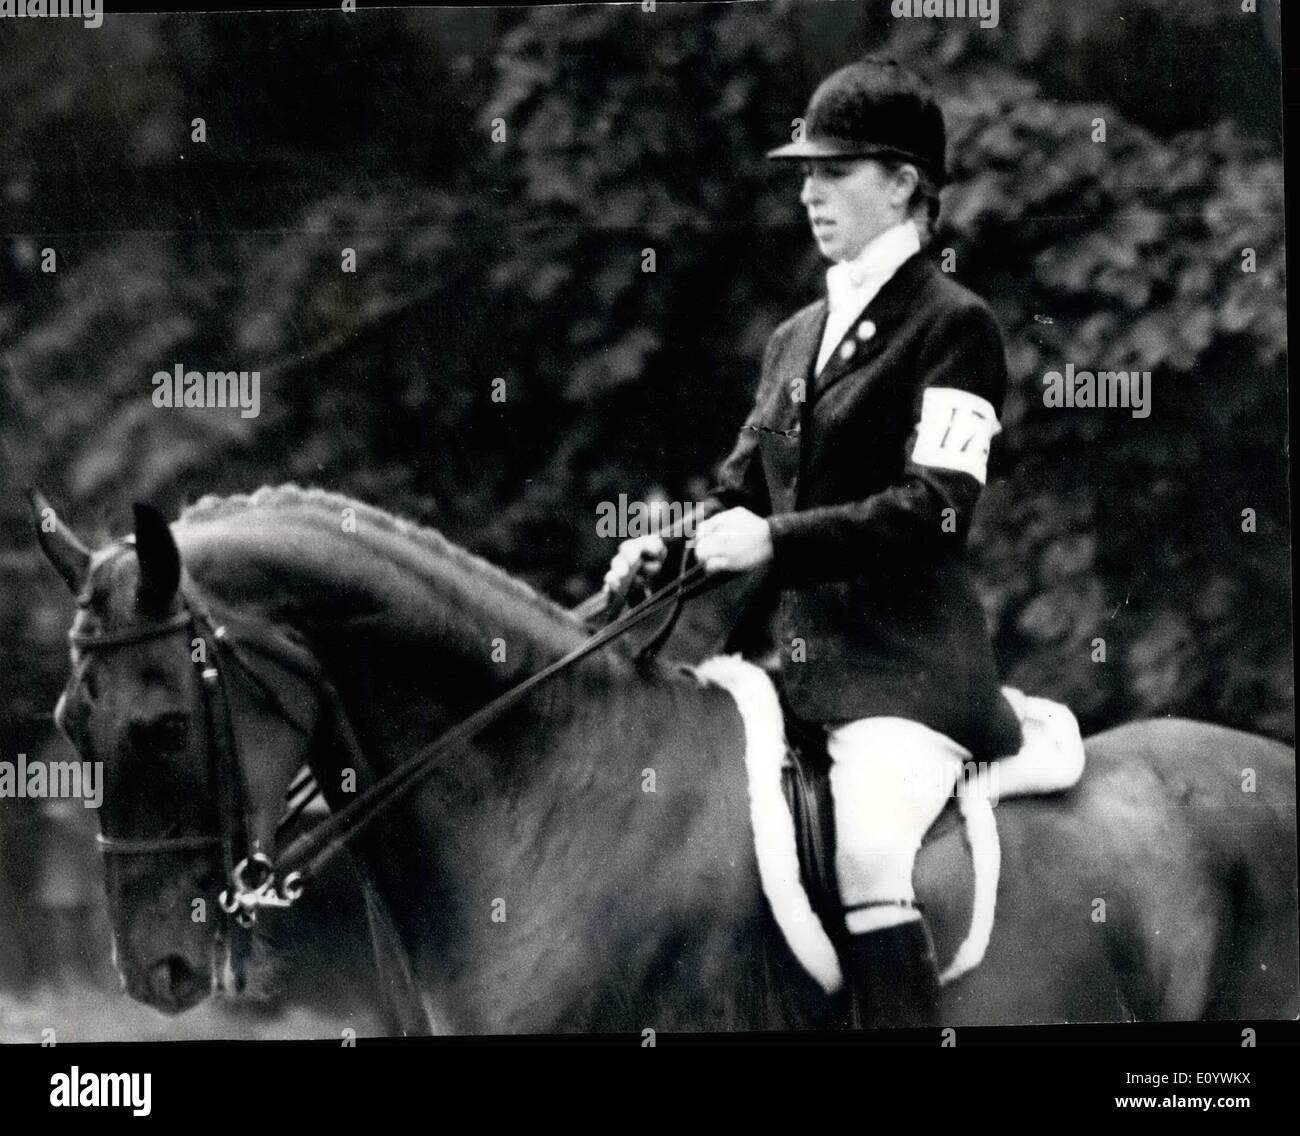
(877, 614)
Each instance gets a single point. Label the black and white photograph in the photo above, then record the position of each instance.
(647, 523)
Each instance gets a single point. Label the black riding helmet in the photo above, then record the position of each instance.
(875, 108)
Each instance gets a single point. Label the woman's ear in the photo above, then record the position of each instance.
(906, 179)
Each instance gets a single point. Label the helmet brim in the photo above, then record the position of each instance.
(823, 148)
(836, 148)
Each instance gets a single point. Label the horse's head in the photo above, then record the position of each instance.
(138, 702)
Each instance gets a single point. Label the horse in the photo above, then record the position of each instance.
(586, 862)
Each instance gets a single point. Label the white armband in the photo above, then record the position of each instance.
(955, 431)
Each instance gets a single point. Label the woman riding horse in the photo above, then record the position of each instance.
(853, 481)
(526, 878)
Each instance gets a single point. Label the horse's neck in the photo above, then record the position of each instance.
(560, 873)
(571, 861)
(587, 862)
(563, 870)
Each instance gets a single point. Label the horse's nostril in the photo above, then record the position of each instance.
(160, 735)
(174, 983)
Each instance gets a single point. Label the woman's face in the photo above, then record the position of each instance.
(850, 201)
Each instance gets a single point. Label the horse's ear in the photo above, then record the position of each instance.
(158, 556)
(69, 556)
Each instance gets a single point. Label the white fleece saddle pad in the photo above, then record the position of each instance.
(1050, 760)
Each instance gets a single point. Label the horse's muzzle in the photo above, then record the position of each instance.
(173, 984)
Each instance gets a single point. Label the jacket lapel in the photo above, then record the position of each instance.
(871, 328)
(805, 339)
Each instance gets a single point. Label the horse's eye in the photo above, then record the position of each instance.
(163, 735)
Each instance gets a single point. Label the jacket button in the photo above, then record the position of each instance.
(847, 350)
(866, 330)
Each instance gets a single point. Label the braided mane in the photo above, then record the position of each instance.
(325, 503)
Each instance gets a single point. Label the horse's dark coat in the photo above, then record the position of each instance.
(539, 886)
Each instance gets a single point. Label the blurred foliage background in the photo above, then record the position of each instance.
(521, 260)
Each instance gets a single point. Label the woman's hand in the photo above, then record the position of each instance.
(641, 556)
(733, 541)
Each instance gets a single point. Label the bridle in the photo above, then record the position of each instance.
(253, 879)
(247, 865)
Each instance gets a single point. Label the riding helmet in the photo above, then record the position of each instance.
(872, 109)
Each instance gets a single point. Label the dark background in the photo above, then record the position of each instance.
(522, 260)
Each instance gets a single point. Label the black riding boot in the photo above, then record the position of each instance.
(892, 977)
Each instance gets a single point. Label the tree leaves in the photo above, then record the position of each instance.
(523, 260)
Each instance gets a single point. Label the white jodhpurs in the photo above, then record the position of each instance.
(890, 779)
